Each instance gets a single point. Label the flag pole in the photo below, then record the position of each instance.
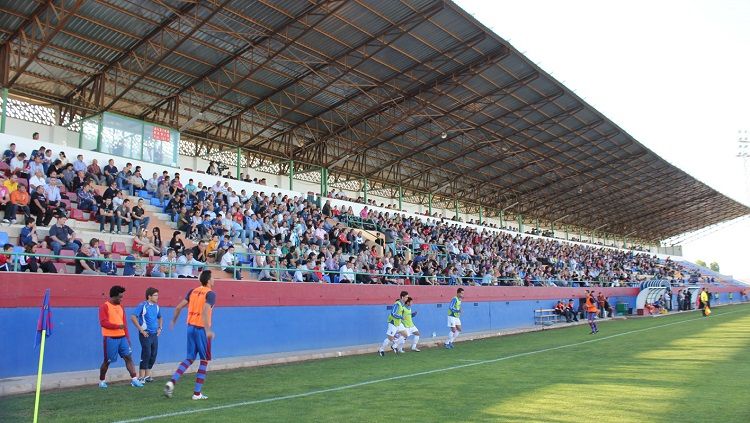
(39, 377)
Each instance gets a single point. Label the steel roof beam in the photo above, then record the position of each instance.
(438, 54)
(62, 16)
(234, 56)
(166, 54)
(130, 50)
(426, 87)
(408, 20)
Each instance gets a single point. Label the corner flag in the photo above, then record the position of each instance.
(43, 330)
(44, 324)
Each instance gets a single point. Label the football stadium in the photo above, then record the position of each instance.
(344, 210)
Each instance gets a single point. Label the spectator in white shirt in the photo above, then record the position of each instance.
(37, 180)
(186, 265)
(228, 260)
(346, 272)
(166, 267)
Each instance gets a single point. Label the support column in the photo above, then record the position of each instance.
(364, 188)
(429, 203)
(323, 182)
(400, 198)
(520, 223)
(291, 175)
(5, 111)
(567, 233)
(455, 206)
(480, 215)
(239, 156)
(502, 218)
(99, 130)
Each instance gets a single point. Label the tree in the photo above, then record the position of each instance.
(715, 266)
(700, 263)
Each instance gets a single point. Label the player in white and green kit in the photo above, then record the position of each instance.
(454, 318)
(411, 329)
(395, 326)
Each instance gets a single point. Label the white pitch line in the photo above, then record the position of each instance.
(388, 379)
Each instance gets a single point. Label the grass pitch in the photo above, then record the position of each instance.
(677, 368)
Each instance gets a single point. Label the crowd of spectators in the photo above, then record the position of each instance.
(279, 237)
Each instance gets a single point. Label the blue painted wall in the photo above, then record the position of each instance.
(76, 341)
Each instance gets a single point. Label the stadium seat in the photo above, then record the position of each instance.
(142, 193)
(61, 267)
(67, 257)
(77, 215)
(18, 249)
(3, 238)
(42, 251)
(67, 203)
(119, 248)
(155, 202)
(117, 256)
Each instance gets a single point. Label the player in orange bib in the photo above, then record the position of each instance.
(200, 302)
(116, 337)
(591, 311)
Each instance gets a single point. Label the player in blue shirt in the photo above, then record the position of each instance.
(147, 319)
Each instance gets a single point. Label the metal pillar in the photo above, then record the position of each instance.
(455, 206)
(291, 175)
(99, 130)
(239, 156)
(502, 218)
(520, 223)
(429, 203)
(400, 198)
(364, 188)
(5, 110)
(567, 233)
(480, 215)
(323, 181)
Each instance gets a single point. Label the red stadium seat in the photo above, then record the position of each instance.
(72, 197)
(116, 256)
(61, 267)
(65, 201)
(119, 248)
(66, 254)
(77, 215)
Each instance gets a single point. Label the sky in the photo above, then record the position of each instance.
(673, 74)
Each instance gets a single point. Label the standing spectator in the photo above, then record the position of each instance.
(61, 236)
(147, 319)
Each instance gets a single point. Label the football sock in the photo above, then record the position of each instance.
(450, 337)
(181, 369)
(200, 377)
(385, 344)
(416, 340)
(455, 335)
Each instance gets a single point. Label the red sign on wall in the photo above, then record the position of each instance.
(160, 134)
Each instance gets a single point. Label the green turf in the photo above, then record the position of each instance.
(692, 370)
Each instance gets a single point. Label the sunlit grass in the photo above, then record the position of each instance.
(694, 370)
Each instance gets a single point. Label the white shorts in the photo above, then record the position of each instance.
(453, 322)
(393, 330)
(411, 331)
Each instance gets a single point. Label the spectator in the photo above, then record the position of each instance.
(107, 266)
(122, 215)
(40, 207)
(19, 201)
(106, 214)
(83, 263)
(61, 236)
(228, 263)
(10, 153)
(37, 180)
(186, 265)
(95, 173)
(110, 172)
(166, 266)
(29, 262)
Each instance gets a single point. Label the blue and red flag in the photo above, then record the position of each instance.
(45, 320)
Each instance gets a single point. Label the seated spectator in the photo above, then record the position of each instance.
(228, 263)
(84, 264)
(107, 266)
(10, 153)
(106, 214)
(29, 262)
(187, 264)
(37, 180)
(176, 242)
(18, 166)
(40, 207)
(110, 172)
(143, 245)
(62, 236)
(6, 259)
(19, 201)
(94, 172)
(166, 266)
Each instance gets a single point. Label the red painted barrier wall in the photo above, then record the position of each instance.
(26, 290)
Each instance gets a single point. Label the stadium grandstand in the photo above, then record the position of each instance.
(330, 142)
